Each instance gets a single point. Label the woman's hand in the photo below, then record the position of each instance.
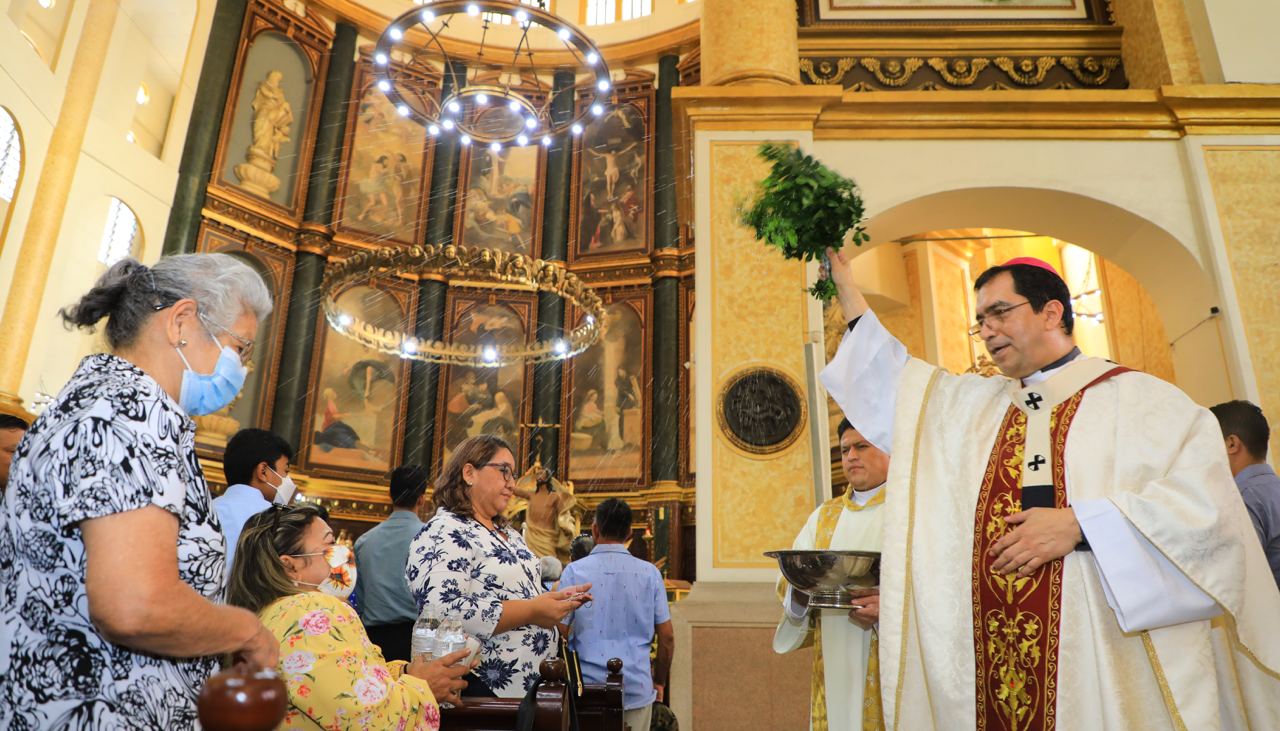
(551, 608)
(443, 676)
(262, 649)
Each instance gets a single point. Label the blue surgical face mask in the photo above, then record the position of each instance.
(205, 393)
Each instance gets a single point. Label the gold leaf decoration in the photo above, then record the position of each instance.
(893, 73)
(1026, 71)
(862, 86)
(958, 71)
(1090, 70)
(824, 71)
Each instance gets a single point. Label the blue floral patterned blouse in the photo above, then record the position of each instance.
(457, 565)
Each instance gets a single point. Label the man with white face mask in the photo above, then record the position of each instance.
(256, 463)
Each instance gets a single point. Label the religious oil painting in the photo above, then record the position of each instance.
(486, 400)
(948, 9)
(613, 195)
(356, 404)
(607, 405)
(384, 183)
(500, 203)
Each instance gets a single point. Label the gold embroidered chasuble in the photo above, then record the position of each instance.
(961, 648)
(819, 533)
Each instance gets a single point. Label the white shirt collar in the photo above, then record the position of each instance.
(864, 497)
(1044, 375)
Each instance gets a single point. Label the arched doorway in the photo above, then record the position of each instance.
(1180, 287)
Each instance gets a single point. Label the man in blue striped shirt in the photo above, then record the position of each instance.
(629, 607)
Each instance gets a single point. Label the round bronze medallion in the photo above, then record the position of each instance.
(761, 410)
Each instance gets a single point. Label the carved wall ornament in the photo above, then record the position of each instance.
(1091, 70)
(272, 118)
(862, 86)
(761, 410)
(893, 72)
(959, 71)
(1026, 71)
(826, 72)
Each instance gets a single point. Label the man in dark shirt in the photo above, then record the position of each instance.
(1245, 431)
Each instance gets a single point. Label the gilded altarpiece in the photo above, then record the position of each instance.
(495, 400)
(386, 167)
(355, 417)
(271, 114)
(606, 406)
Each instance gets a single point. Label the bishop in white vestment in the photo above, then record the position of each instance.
(1063, 547)
(845, 690)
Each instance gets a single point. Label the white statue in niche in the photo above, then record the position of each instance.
(272, 117)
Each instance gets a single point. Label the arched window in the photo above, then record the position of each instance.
(10, 158)
(602, 12)
(122, 237)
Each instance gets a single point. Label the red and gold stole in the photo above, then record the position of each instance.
(1016, 620)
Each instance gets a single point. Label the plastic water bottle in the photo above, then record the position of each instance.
(450, 637)
(425, 631)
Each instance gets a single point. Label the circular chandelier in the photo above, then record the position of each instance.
(474, 264)
(504, 100)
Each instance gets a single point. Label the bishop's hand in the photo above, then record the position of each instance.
(1040, 535)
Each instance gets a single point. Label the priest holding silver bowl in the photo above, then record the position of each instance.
(830, 593)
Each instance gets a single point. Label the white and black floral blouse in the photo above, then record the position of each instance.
(460, 566)
(111, 442)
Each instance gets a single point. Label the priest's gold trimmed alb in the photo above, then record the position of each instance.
(472, 264)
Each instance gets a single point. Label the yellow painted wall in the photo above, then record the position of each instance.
(1137, 336)
(1246, 189)
(951, 311)
(907, 323)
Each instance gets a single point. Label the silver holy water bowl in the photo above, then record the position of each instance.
(831, 579)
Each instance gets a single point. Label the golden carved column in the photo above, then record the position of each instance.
(750, 41)
(22, 306)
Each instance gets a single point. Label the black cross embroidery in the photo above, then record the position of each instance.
(1035, 463)
(1033, 401)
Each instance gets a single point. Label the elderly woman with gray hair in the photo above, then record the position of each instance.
(111, 560)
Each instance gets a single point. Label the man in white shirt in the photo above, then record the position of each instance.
(843, 694)
(1063, 547)
(256, 464)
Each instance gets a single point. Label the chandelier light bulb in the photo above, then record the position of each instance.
(563, 33)
(344, 320)
(576, 128)
(395, 33)
(522, 16)
(473, 10)
(490, 355)
(522, 140)
(403, 109)
(410, 346)
(384, 85)
(593, 58)
(530, 123)
(546, 140)
(591, 320)
(495, 147)
(513, 105)
(380, 58)
(597, 110)
(455, 107)
(428, 16)
(482, 98)
(603, 85)
(465, 140)
(447, 123)
(434, 130)
(561, 347)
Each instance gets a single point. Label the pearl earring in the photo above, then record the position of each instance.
(182, 343)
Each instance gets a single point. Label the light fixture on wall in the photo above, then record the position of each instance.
(143, 96)
(46, 4)
(506, 98)
(130, 137)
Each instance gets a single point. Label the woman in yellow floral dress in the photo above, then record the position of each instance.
(290, 571)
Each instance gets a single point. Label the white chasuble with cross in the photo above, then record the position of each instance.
(843, 696)
(1167, 623)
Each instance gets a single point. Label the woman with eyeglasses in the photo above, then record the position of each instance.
(111, 558)
(469, 563)
(291, 572)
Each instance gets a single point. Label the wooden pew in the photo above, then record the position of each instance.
(600, 706)
(499, 714)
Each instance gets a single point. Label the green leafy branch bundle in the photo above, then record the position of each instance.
(803, 208)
